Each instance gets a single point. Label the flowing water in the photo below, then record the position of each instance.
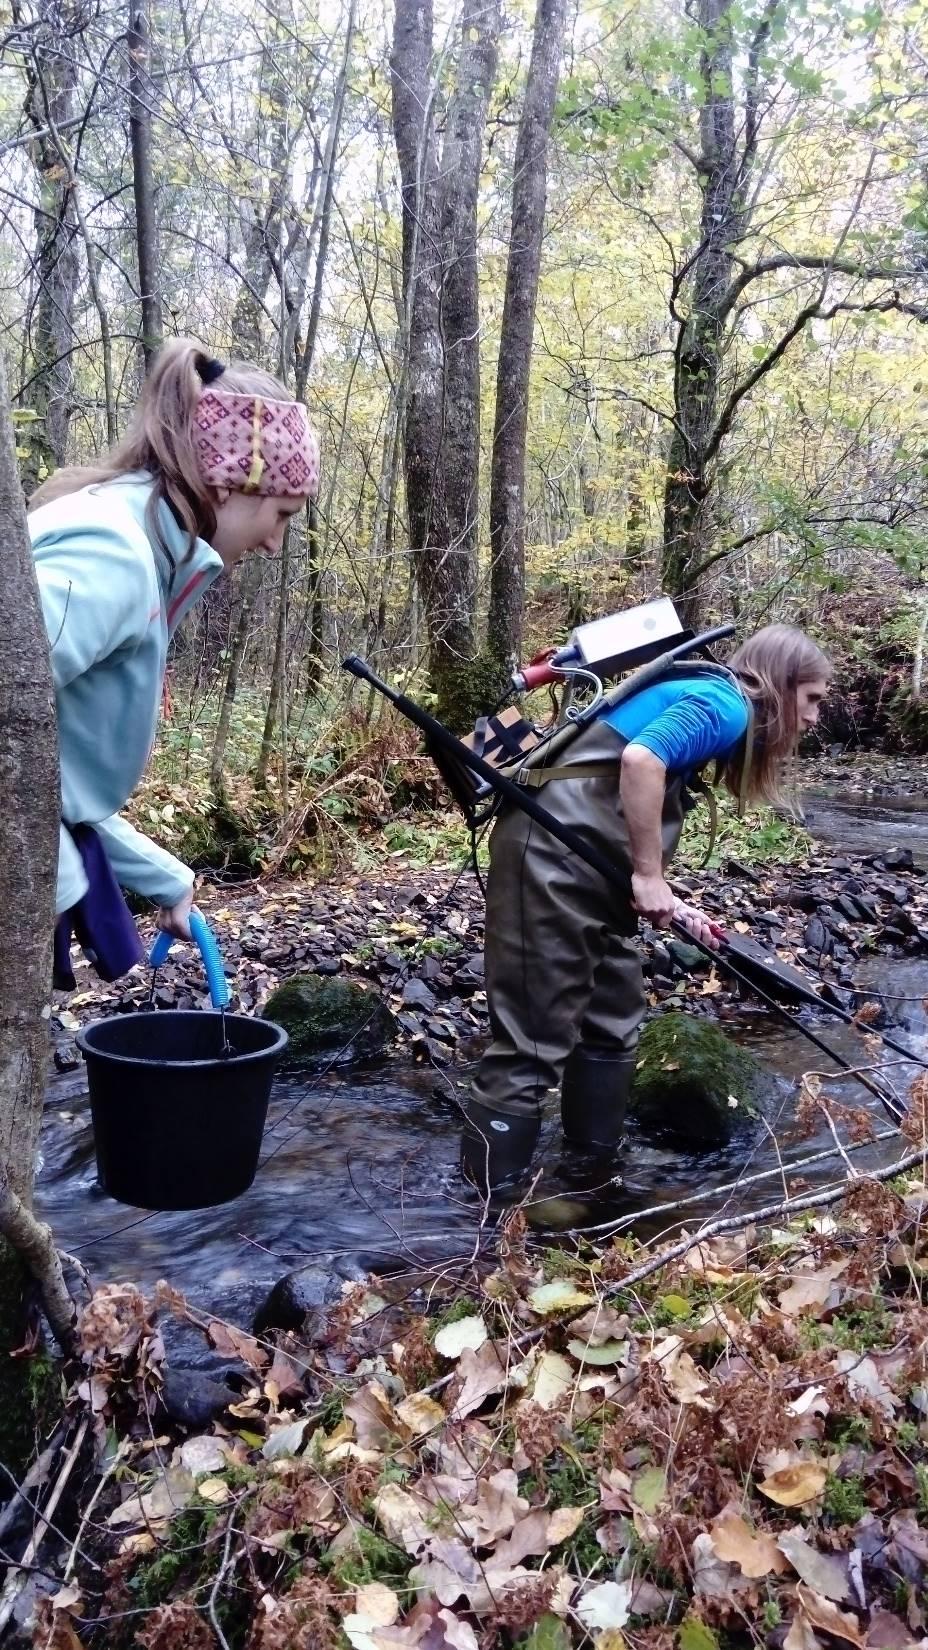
(359, 1166)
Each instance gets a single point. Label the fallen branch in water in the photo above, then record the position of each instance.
(735, 1223)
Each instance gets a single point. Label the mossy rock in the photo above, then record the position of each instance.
(687, 1075)
(29, 1386)
(330, 1019)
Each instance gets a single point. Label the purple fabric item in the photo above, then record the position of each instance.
(101, 922)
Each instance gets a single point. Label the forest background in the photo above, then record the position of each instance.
(587, 301)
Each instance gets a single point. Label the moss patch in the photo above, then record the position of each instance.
(325, 1017)
(29, 1392)
(688, 1076)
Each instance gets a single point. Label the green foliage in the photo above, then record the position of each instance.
(843, 1500)
(369, 1558)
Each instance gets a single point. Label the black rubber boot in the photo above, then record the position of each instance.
(495, 1147)
(594, 1095)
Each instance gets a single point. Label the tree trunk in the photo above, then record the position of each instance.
(146, 223)
(304, 364)
(251, 576)
(264, 231)
(441, 325)
(314, 598)
(461, 162)
(28, 861)
(698, 363)
(413, 126)
(278, 668)
(507, 487)
(50, 388)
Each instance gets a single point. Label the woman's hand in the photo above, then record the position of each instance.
(175, 919)
(697, 923)
(654, 899)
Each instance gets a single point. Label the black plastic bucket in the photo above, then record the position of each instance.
(176, 1125)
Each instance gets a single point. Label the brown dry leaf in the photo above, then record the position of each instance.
(234, 1343)
(793, 1485)
(563, 1523)
(496, 1510)
(825, 1573)
(113, 1320)
(378, 1602)
(864, 1380)
(680, 1374)
(401, 1518)
(484, 1371)
(600, 1324)
(528, 1540)
(888, 1632)
(713, 1577)
(372, 1413)
(814, 1292)
(429, 1625)
(735, 1542)
(214, 1490)
(420, 1414)
(451, 1572)
(615, 1490)
(801, 1636)
(154, 1506)
(821, 1613)
(284, 1378)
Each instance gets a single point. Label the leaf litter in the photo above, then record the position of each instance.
(557, 1468)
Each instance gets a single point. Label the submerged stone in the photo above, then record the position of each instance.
(330, 1018)
(691, 1081)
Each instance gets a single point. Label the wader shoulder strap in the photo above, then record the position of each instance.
(536, 777)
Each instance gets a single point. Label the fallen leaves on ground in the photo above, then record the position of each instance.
(555, 1467)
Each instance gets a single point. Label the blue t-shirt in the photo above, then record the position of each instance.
(686, 721)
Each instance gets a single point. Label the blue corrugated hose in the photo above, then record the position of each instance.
(209, 951)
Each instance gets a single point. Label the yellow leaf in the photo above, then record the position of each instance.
(793, 1485)
(214, 1490)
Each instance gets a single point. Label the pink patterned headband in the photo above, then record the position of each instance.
(252, 445)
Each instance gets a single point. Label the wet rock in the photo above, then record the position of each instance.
(328, 967)
(304, 1291)
(336, 1019)
(804, 899)
(195, 1399)
(847, 908)
(816, 937)
(66, 1057)
(899, 859)
(416, 994)
(688, 957)
(471, 977)
(692, 1082)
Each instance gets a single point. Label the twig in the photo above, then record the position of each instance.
(16, 1580)
(118, 1458)
(220, 1576)
(36, 1475)
(733, 1223)
(620, 1224)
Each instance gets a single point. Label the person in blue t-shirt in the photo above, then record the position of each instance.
(564, 983)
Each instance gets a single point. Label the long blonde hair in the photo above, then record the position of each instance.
(770, 666)
(159, 439)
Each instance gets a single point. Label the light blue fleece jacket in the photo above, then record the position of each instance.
(112, 602)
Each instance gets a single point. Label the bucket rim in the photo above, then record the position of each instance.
(274, 1048)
